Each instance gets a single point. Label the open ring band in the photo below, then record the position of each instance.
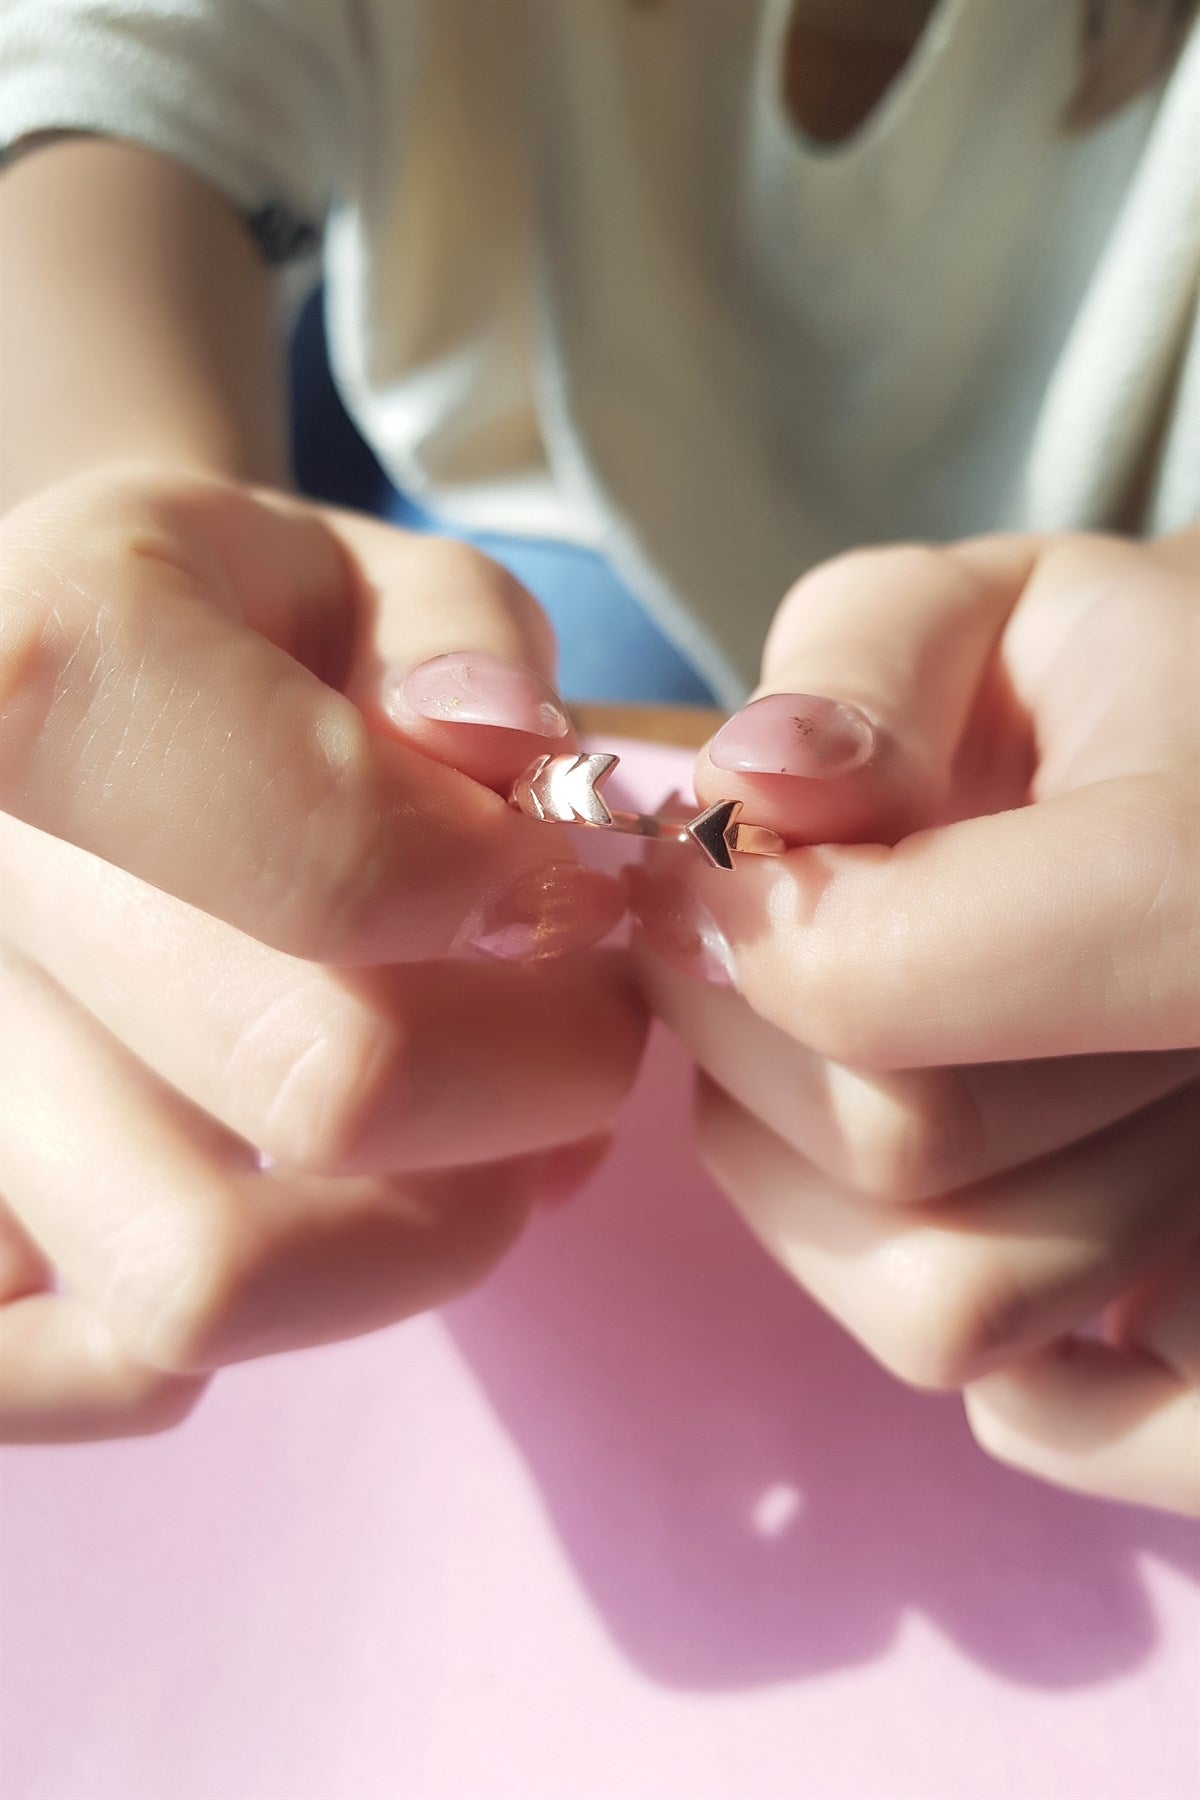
(565, 789)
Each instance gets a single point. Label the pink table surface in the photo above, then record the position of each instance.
(633, 1522)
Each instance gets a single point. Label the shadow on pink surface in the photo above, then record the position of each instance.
(335, 1580)
(745, 1496)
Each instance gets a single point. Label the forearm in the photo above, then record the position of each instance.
(137, 320)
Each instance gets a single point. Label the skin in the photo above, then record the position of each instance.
(953, 1089)
(252, 901)
(953, 1093)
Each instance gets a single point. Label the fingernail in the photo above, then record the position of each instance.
(546, 912)
(794, 734)
(679, 928)
(567, 1169)
(468, 687)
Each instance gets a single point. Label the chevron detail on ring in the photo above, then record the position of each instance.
(715, 832)
(564, 788)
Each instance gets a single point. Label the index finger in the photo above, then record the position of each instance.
(155, 729)
(453, 656)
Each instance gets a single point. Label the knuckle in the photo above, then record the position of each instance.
(172, 1296)
(323, 894)
(950, 1312)
(908, 1138)
(327, 1090)
(897, 1153)
(822, 1005)
(41, 639)
(73, 627)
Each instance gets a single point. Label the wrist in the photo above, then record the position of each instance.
(138, 322)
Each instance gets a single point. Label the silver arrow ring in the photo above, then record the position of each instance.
(565, 789)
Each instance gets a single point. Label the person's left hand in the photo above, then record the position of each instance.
(946, 1044)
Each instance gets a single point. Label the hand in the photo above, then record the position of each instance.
(947, 1042)
(249, 906)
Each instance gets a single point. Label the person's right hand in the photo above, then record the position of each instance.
(259, 897)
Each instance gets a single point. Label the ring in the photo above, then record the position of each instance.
(565, 790)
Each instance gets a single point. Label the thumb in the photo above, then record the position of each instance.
(870, 675)
(455, 658)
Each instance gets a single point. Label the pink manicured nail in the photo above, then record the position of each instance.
(468, 687)
(794, 734)
(545, 913)
(679, 927)
(568, 1168)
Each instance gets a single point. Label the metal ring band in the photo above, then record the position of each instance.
(565, 789)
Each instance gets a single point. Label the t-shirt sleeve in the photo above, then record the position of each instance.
(1175, 495)
(257, 96)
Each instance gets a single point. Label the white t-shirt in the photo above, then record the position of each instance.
(586, 278)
